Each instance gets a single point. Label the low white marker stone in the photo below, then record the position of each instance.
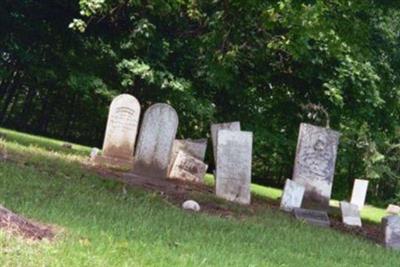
(292, 195)
(191, 205)
(233, 126)
(121, 131)
(359, 193)
(233, 173)
(94, 152)
(189, 168)
(157, 134)
(393, 209)
(391, 230)
(350, 214)
(315, 164)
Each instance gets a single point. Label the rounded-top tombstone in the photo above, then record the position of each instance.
(121, 130)
(156, 137)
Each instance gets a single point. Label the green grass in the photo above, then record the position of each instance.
(102, 226)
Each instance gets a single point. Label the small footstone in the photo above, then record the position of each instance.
(393, 209)
(94, 152)
(191, 205)
(314, 217)
(292, 195)
(391, 229)
(350, 214)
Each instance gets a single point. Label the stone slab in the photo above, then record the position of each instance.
(233, 172)
(292, 195)
(391, 230)
(121, 130)
(315, 164)
(314, 217)
(233, 126)
(393, 209)
(350, 214)
(156, 137)
(359, 193)
(187, 167)
(194, 147)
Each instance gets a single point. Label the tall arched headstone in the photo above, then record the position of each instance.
(314, 166)
(121, 131)
(156, 137)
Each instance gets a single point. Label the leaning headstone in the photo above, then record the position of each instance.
(391, 230)
(157, 134)
(187, 167)
(121, 130)
(350, 214)
(194, 147)
(393, 209)
(292, 196)
(233, 126)
(314, 217)
(233, 173)
(315, 164)
(359, 193)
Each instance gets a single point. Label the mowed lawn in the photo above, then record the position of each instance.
(100, 224)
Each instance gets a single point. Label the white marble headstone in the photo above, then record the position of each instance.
(187, 167)
(391, 229)
(233, 173)
(233, 126)
(393, 209)
(292, 195)
(359, 193)
(350, 214)
(122, 124)
(156, 137)
(315, 164)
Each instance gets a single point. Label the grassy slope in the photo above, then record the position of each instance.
(102, 226)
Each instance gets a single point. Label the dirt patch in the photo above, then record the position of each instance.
(18, 225)
(177, 191)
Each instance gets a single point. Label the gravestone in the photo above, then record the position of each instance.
(121, 131)
(314, 217)
(359, 193)
(157, 134)
(315, 164)
(194, 147)
(187, 167)
(292, 195)
(350, 214)
(391, 230)
(233, 126)
(94, 153)
(393, 209)
(233, 172)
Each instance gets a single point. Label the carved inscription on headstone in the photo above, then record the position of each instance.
(292, 195)
(187, 167)
(315, 164)
(391, 229)
(359, 193)
(233, 173)
(157, 134)
(194, 147)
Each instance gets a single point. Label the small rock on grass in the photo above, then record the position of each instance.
(191, 205)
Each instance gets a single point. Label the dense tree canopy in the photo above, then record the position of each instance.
(269, 64)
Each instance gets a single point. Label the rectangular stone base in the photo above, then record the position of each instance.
(125, 164)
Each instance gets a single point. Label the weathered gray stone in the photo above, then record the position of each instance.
(292, 195)
(194, 147)
(191, 205)
(233, 173)
(233, 126)
(314, 217)
(359, 193)
(187, 167)
(121, 131)
(157, 134)
(393, 209)
(350, 214)
(391, 230)
(315, 164)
